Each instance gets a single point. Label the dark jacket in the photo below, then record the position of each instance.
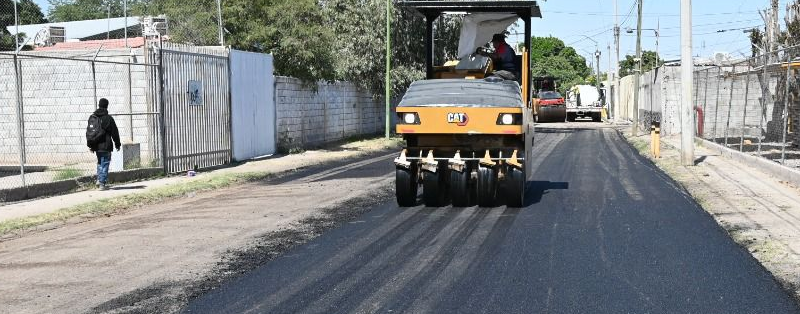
(505, 58)
(112, 133)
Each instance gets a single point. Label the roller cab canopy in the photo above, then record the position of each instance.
(484, 18)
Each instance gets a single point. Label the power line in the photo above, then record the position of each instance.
(648, 14)
(630, 11)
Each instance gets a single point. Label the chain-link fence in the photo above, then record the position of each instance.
(47, 99)
(752, 105)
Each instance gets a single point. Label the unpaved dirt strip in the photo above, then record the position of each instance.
(154, 258)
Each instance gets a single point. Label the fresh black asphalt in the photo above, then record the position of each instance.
(604, 232)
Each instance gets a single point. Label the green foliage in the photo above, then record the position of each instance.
(550, 57)
(66, 174)
(592, 78)
(309, 39)
(361, 43)
(28, 12)
(757, 40)
(294, 31)
(627, 66)
(77, 10)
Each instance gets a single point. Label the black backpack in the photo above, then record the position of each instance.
(95, 133)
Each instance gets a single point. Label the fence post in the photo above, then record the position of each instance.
(705, 101)
(716, 108)
(162, 109)
(20, 118)
(786, 105)
(744, 112)
(730, 104)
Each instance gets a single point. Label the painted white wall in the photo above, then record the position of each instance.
(252, 104)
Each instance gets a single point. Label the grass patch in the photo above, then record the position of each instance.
(122, 203)
(66, 174)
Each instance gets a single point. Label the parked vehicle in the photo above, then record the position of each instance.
(584, 101)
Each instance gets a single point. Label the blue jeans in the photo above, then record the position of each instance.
(103, 160)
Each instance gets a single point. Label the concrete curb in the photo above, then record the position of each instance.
(64, 186)
(769, 167)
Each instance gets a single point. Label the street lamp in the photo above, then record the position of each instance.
(597, 60)
(657, 33)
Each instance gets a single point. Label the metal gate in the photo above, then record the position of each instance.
(195, 107)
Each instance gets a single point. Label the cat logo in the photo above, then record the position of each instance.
(459, 119)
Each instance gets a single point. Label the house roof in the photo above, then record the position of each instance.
(136, 42)
(80, 29)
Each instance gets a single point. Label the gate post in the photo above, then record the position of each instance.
(162, 109)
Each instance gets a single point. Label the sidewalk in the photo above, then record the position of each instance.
(271, 165)
(760, 212)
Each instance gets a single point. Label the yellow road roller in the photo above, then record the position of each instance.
(468, 131)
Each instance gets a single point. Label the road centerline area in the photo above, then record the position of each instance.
(602, 231)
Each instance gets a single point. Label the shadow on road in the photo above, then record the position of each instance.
(537, 189)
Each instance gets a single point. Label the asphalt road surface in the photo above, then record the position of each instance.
(604, 232)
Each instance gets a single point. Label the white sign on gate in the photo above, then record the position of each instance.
(195, 93)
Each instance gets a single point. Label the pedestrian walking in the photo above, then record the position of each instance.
(102, 136)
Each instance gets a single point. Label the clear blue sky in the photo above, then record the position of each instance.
(569, 19)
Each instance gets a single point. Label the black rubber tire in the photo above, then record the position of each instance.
(571, 117)
(459, 188)
(406, 185)
(515, 187)
(486, 186)
(435, 186)
(597, 117)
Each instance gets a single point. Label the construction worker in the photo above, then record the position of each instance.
(503, 58)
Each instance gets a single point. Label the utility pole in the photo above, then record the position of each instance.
(616, 59)
(125, 12)
(387, 83)
(108, 23)
(597, 64)
(776, 28)
(638, 73)
(658, 34)
(687, 71)
(16, 24)
(219, 23)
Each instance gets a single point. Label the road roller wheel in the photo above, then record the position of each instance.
(571, 117)
(515, 187)
(459, 188)
(406, 185)
(487, 186)
(434, 186)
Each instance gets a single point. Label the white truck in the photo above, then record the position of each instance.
(585, 101)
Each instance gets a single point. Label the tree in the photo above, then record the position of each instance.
(627, 66)
(296, 32)
(361, 43)
(78, 10)
(28, 13)
(550, 57)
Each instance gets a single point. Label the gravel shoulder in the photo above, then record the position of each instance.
(153, 259)
(760, 213)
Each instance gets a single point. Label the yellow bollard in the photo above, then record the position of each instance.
(655, 139)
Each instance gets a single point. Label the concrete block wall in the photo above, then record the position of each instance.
(309, 116)
(58, 96)
(721, 109)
